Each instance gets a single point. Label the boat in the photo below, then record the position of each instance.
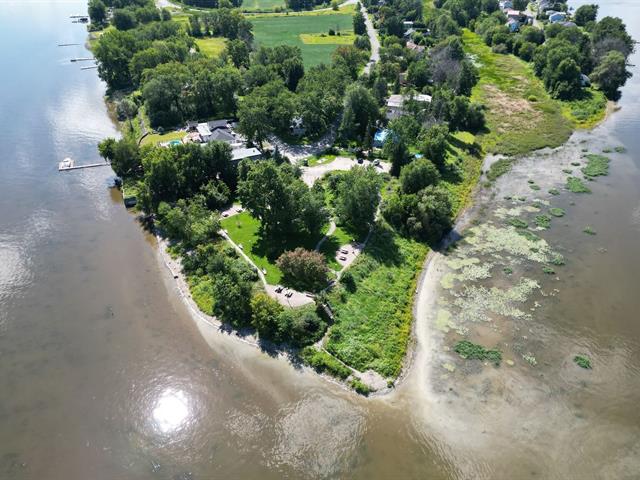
(66, 164)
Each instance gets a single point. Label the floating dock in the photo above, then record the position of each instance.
(89, 68)
(67, 44)
(83, 59)
(68, 164)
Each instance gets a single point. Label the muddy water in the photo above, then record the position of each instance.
(103, 373)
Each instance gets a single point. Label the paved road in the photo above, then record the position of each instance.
(373, 38)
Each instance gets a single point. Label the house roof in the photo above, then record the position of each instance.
(240, 153)
(213, 124)
(396, 101)
(222, 135)
(203, 130)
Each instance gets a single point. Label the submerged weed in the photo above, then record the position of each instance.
(554, 191)
(473, 351)
(548, 270)
(589, 230)
(534, 187)
(543, 221)
(597, 165)
(507, 270)
(620, 149)
(557, 259)
(568, 171)
(576, 185)
(582, 361)
(518, 223)
(557, 212)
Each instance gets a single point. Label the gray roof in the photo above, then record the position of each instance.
(222, 135)
(240, 153)
(213, 124)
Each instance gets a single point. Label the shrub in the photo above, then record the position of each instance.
(360, 387)
(303, 269)
(322, 362)
(417, 175)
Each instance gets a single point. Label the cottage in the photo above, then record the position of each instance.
(395, 104)
(245, 154)
(513, 14)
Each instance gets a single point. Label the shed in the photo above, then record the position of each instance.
(245, 153)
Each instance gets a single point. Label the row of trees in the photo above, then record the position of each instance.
(561, 54)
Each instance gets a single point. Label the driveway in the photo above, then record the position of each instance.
(373, 38)
(311, 174)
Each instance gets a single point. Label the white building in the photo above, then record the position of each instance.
(204, 131)
(395, 104)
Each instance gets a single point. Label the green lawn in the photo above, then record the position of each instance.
(373, 323)
(244, 230)
(211, 47)
(156, 138)
(521, 116)
(272, 30)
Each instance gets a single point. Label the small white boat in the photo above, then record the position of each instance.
(66, 164)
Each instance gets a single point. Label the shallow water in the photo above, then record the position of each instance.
(105, 375)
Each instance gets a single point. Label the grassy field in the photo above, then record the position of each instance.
(155, 138)
(521, 116)
(248, 5)
(272, 30)
(211, 47)
(373, 323)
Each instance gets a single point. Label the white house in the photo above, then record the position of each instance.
(395, 104)
(245, 153)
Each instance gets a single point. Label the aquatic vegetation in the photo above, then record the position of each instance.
(557, 259)
(499, 168)
(582, 361)
(529, 236)
(473, 351)
(620, 149)
(554, 191)
(597, 165)
(543, 221)
(576, 185)
(548, 270)
(534, 187)
(475, 272)
(458, 263)
(476, 303)
(557, 212)
(589, 230)
(530, 359)
(491, 240)
(449, 367)
(531, 181)
(517, 222)
(575, 164)
(507, 270)
(606, 150)
(567, 171)
(447, 280)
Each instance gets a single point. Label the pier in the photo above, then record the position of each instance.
(83, 59)
(68, 164)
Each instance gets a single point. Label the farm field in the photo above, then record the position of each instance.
(272, 30)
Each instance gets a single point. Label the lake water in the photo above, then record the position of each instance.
(104, 375)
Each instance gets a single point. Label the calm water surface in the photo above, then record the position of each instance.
(104, 375)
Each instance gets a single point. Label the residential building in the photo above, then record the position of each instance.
(395, 104)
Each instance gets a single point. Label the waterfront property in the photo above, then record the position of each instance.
(396, 103)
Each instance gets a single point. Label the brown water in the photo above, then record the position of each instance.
(104, 375)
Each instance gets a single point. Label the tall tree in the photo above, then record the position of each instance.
(611, 73)
(358, 196)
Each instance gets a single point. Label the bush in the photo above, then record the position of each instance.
(417, 175)
(303, 269)
(360, 387)
(322, 362)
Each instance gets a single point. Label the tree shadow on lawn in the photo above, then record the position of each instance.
(271, 247)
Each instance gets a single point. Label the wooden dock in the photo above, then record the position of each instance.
(83, 59)
(62, 167)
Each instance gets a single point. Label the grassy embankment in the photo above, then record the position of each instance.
(521, 116)
(305, 30)
(373, 323)
(244, 230)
